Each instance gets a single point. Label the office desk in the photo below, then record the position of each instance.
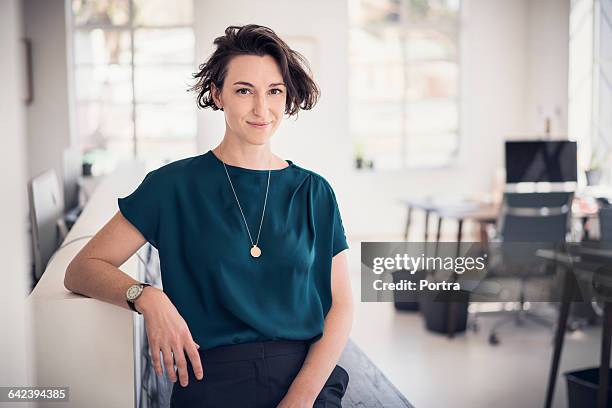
(595, 264)
(79, 340)
(483, 214)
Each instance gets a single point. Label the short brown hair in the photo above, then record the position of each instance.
(302, 91)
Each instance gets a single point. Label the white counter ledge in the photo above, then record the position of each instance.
(83, 343)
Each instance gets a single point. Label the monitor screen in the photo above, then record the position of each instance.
(541, 161)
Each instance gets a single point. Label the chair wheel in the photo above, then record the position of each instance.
(493, 339)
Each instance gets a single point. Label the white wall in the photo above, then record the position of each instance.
(547, 69)
(48, 119)
(514, 60)
(15, 368)
(316, 28)
(502, 80)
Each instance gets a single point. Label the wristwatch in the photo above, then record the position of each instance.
(133, 293)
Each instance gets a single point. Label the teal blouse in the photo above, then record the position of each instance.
(187, 210)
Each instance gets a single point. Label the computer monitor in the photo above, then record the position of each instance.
(541, 161)
(72, 168)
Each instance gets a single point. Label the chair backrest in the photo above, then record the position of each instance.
(605, 223)
(535, 217)
(46, 209)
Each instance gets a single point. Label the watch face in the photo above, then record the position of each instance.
(133, 291)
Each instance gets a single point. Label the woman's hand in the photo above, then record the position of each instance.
(167, 332)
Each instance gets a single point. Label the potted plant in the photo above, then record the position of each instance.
(359, 155)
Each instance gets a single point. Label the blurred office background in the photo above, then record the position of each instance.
(418, 100)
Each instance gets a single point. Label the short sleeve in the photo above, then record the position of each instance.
(142, 207)
(339, 242)
(339, 239)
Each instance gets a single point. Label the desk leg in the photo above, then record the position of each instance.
(484, 237)
(459, 233)
(604, 365)
(568, 292)
(438, 235)
(408, 219)
(452, 307)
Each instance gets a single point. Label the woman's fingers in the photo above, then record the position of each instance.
(169, 362)
(194, 357)
(181, 364)
(154, 349)
(167, 332)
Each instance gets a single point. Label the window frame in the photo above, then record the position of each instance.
(131, 27)
(405, 25)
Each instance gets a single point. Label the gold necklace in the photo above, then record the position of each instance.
(255, 250)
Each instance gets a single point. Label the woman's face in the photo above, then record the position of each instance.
(253, 98)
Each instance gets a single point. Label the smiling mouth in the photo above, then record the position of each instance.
(259, 124)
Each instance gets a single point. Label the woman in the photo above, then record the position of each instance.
(256, 304)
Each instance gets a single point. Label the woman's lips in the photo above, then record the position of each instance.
(259, 125)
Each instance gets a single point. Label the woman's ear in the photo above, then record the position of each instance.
(214, 91)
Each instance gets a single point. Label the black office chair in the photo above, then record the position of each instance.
(605, 224)
(528, 217)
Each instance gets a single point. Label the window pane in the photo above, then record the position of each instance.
(377, 83)
(105, 83)
(102, 12)
(383, 45)
(97, 123)
(428, 44)
(432, 116)
(432, 10)
(385, 151)
(157, 152)
(374, 12)
(431, 149)
(167, 46)
(165, 121)
(371, 119)
(163, 12)
(164, 84)
(102, 47)
(438, 79)
(605, 94)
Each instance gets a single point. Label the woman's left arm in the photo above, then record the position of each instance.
(323, 355)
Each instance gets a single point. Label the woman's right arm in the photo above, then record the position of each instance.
(94, 272)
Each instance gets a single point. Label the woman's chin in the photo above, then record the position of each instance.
(258, 139)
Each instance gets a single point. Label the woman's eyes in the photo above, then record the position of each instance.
(246, 91)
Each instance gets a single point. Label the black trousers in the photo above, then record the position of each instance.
(253, 375)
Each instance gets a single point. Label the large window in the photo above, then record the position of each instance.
(133, 61)
(590, 87)
(404, 81)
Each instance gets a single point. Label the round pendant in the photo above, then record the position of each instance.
(255, 251)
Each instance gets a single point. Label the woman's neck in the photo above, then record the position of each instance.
(256, 157)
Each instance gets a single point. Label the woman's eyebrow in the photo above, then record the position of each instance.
(253, 86)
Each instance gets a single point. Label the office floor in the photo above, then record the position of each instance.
(434, 371)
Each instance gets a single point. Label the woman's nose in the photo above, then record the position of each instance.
(261, 105)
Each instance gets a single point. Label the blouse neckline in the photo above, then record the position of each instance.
(246, 170)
